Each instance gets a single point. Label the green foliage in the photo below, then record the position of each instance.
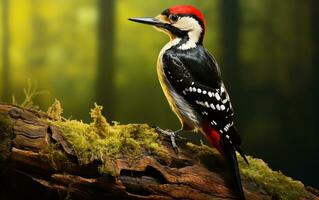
(129, 140)
(273, 182)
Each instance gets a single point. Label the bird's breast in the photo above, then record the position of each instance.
(167, 88)
(186, 114)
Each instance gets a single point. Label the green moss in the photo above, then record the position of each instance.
(202, 150)
(55, 111)
(130, 141)
(5, 123)
(273, 182)
(57, 158)
(6, 135)
(100, 125)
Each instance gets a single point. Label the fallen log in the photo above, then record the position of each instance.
(44, 156)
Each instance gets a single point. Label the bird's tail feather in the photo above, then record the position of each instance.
(229, 151)
(237, 142)
(242, 154)
(231, 159)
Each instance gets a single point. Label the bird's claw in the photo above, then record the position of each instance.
(172, 136)
(173, 142)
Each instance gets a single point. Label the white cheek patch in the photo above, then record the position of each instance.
(186, 23)
(194, 31)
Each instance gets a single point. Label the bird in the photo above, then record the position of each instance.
(191, 80)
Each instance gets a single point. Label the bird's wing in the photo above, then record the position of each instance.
(196, 78)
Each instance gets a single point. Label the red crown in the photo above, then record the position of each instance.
(188, 10)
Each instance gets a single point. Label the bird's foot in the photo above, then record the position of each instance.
(172, 135)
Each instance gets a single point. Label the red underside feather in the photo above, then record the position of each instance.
(213, 137)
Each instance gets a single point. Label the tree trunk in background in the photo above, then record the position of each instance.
(6, 85)
(315, 57)
(315, 99)
(230, 22)
(105, 68)
(37, 57)
(294, 95)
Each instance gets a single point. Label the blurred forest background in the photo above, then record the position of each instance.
(84, 51)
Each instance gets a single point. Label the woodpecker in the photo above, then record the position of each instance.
(191, 81)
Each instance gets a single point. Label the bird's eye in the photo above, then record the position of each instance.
(173, 18)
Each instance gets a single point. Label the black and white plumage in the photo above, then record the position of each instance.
(191, 81)
(194, 77)
(187, 72)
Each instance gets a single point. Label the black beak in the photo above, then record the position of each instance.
(148, 20)
(160, 24)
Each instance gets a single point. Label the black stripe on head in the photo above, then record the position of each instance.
(200, 22)
(175, 31)
(166, 12)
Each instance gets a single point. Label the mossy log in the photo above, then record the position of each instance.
(38, 160)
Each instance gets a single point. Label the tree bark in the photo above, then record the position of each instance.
(105, 66)
(6, 85)
(29, 171)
